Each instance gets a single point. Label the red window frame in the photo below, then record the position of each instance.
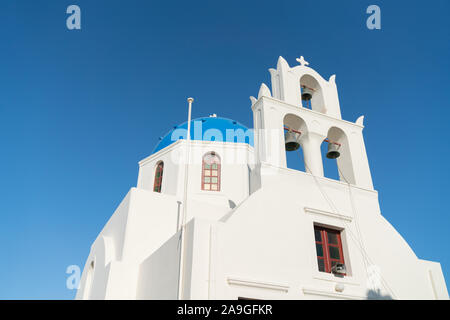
(157, 184)
(328, 243)
(211, 163)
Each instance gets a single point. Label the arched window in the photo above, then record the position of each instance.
(294, 128)
(340, 167)
(211, 172)
(311, 94)
(158, 177)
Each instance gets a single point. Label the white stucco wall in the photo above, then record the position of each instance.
(236, 163)
(141, 224)
(280, 252)
(158, 274)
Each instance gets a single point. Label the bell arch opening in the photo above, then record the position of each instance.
(311, 94)
(294, 127)
(337, 163)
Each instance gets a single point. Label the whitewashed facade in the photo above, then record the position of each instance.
(255, 237)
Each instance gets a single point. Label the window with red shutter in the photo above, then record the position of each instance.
(328, 248)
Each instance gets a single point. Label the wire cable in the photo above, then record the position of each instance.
(355, 238)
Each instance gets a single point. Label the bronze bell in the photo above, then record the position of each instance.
(291, 143)
(333, 151)
(306, 93)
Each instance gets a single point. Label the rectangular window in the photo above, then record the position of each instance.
(328, 248)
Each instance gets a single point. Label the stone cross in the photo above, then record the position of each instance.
(302, 61)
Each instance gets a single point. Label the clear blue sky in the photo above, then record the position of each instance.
(79, 109)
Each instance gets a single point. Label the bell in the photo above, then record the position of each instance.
(291, 143)
(306, 93)
(333, 152)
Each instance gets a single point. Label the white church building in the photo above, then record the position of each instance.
(234, 222)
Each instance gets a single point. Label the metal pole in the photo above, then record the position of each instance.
(183, 221)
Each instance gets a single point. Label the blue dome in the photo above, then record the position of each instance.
(208, 129)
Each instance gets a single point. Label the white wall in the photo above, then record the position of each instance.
(266, 249)
(236, 162)
(158, 276)
(141, 224)
(171, 173)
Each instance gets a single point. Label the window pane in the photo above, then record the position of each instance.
(332, 238)
(207, 172)
(206, 186)
(318, 235)
(334, 253)
(321, 265)
(214, 173)
(319, 250)
(207, 166)
(214, 165)
(207, 179)
(214, 187)
(214, 179)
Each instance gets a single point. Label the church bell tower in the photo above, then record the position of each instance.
(303, 110)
